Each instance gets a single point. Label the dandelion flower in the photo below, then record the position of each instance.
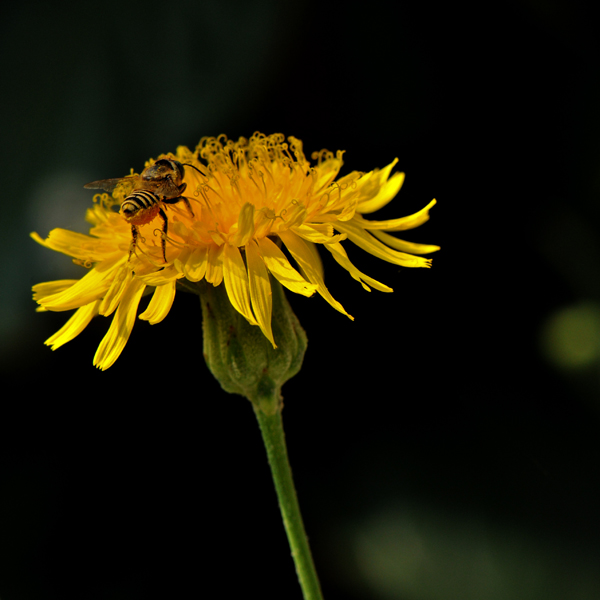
(255, 203)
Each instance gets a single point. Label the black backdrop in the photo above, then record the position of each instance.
(443, 446)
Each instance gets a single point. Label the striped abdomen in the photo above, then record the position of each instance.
(140, 207)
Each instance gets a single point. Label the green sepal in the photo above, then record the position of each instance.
(238, 354)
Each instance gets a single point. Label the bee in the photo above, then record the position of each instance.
(158, 184)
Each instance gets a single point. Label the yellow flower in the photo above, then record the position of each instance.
(249, 199)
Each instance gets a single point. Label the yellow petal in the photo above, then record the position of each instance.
(161, 277)
(367, 242)
(321, 233)
(260, 290)
(89, 288)
(195, 266)
(304, 255)
(160, 305)
(119, 331)
(294, 214)
(369, 184)
(214, 265)
(402, 245)
(49, 288)
(74, 326)
(39, 239)
(280, 267)
(236, 282)
(387, 193)
(315, 258)
(326, 173)
(245, 225)
(400, 224)
(115, 292)
(339, 254)
(63, 240)
(77, 245)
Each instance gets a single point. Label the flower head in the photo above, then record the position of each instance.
(247, 202)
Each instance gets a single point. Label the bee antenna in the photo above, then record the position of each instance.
(193, 167)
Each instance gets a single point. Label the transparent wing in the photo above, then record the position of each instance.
(108, 185)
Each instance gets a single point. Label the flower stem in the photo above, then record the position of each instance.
(271, 427)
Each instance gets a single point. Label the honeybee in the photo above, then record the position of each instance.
(158, 184)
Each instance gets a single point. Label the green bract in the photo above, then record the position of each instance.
(239, 355)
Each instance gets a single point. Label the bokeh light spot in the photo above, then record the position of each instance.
(570, 337)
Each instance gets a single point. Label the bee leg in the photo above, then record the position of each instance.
(161, 212)
(182, 197)
(175, 200)
(134, 236)
(189, 206)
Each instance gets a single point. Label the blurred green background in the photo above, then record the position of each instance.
(445, 444)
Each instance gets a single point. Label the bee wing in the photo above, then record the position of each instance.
(108, 185)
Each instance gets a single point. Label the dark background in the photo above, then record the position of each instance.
(445, 444)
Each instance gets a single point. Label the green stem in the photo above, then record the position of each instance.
(271, 427)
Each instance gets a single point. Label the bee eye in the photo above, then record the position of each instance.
(164, 163)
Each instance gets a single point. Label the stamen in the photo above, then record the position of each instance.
(263, 190)
(87, 263)
(271, 215)
(104, 200)
(148, 256)
(173, 241)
